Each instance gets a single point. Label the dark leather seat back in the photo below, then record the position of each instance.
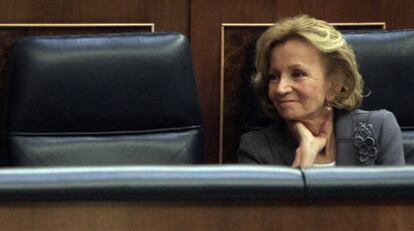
(119, 99)
(386, 62)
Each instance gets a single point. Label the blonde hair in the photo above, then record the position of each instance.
(338, 55)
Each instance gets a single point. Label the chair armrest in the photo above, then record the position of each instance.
(359, 182)
(151, 183)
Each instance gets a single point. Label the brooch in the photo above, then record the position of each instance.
(366, 143)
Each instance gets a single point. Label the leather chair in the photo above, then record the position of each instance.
(114, 99)
(385, 60)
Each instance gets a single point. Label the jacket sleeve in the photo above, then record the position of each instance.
(391, 150)
(246, 152)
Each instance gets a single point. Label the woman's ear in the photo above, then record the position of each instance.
(336, 86)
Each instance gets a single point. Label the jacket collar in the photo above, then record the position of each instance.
(345, 150)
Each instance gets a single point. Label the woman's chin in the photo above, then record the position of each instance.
(295, 115)
(288, 114)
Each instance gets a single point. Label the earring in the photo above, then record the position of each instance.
(328, 106)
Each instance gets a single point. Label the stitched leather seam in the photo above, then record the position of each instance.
(194, 127)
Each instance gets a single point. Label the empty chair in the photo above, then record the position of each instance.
(114, 99)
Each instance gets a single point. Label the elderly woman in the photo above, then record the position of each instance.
(307, 76)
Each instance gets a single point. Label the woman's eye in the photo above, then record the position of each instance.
(298, 73)
(273, 76)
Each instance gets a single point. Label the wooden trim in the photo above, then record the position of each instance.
(285, 214)
(221, 94)
(382, 25)
(22, 25)
(350, 24)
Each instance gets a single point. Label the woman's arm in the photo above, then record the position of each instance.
(247, 150)
(391, 150)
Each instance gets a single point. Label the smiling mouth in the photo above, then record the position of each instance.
(287, 101)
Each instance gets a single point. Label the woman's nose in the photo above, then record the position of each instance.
(283, 86)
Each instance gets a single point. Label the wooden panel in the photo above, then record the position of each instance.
(206, 20)
(200, 216)
(398, 14)
(168, 15)
(238, 48)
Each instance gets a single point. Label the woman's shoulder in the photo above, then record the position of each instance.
(374, 116)
(380, 112)
(382, 122)
(376, 135)
(348, 122)
(270, 131)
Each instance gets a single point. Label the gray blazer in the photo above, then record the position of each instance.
(362, 138)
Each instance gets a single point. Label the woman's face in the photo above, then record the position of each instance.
(298, 86)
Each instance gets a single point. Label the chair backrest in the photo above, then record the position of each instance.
(114, 99)
(385, 61)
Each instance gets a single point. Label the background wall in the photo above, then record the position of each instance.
(200, 20)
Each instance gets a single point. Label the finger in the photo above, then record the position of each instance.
(321, 143)
(297, 160)
(301, 130)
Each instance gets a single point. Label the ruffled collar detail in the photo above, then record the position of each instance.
(366, 143)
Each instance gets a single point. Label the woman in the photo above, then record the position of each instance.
(307, 75)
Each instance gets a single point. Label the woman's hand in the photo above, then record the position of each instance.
(309, 144)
